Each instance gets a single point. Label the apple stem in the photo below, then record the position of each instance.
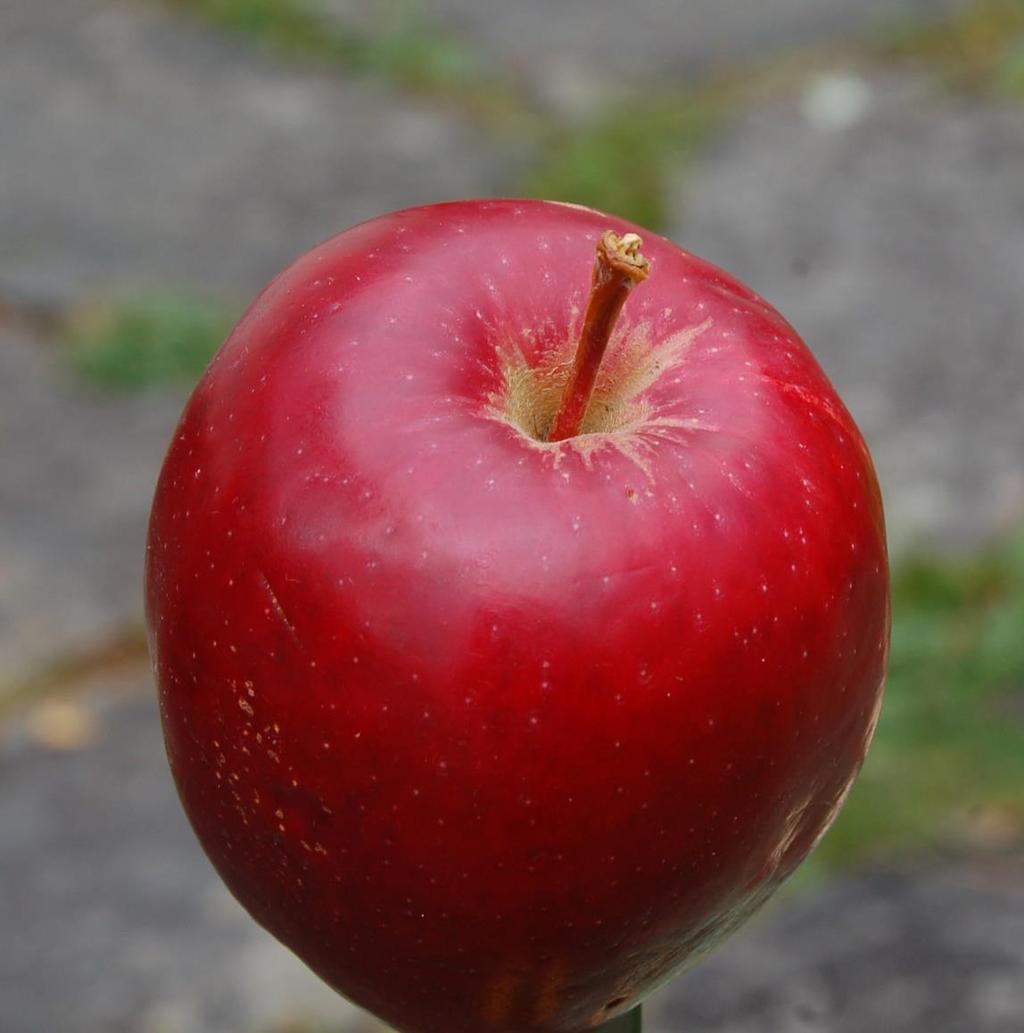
(618, 269)
(631, 1022)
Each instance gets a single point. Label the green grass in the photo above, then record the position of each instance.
(150, 341)
(951, 738)
(619, 162)
(979, 49)
(622, 161)
(403, 49)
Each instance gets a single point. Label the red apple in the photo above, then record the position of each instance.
(498, 732)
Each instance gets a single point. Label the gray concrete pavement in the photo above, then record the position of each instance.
(575, 54)
(885, 219)
(77, 472)
(934, 949)
(141, 152)
(112, 918)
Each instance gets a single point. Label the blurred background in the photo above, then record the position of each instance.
(858, 162)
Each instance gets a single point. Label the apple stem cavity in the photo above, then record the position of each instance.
(618, 269)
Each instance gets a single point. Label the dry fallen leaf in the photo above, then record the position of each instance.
(60, 724)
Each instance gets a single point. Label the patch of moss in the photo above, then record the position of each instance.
(149, 341)
(980, 48)
(950, 743)
(622, 161)
(402, 48)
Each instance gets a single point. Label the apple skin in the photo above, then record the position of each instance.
(494, 733)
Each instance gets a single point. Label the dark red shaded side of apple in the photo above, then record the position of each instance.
(496, 733)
